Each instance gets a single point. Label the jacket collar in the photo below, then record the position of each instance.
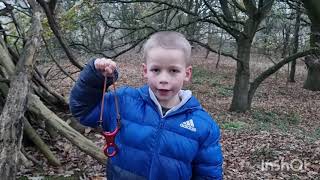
(189, 102)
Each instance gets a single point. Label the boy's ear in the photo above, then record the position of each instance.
(188, 73)
(144, 70)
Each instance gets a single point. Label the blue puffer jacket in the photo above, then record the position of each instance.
(182, 145)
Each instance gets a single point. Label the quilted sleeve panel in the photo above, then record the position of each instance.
(208, 161)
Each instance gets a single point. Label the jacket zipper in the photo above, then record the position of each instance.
(156, 141)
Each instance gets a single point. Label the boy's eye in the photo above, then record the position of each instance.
(174, 70)
(155, 70)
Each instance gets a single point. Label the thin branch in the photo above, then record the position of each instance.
(126, 28)
(23, 11)
(265, 6)
(131, 47)
(154, 13)
(250, 6)
(5, 80)
(152, 1)
(215, 51)
(241, 8)
(63, 102)
(232, 31)
(55, 61)
(173, 16)
(55, 29)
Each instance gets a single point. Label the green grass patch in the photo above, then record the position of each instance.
(204, 76)
(265, 116)
(22, 178)
(292, 118)
(266, 119)
(214, 82)
(265, 152)
(224, 91)
(200, 75)
(236, 125)
(262, 126)
(315, 135)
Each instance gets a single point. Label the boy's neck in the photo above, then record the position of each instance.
(173, 102)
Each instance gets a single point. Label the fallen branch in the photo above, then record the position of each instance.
(34, 137)
(36, 106)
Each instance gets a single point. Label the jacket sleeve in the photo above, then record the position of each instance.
(208, 161)
(86, 94)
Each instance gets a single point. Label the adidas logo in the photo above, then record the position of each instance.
(188, 125)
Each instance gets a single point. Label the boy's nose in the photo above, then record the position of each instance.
(163, 82)
(163, 78)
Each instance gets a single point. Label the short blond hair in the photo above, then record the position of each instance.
(168, 40)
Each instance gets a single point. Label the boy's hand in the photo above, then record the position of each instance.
(105, 66)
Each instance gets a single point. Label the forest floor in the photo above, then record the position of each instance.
(279, 138)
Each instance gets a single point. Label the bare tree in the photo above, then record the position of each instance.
(25, 96)
(295, 42)
(11, 126)
(313, 62)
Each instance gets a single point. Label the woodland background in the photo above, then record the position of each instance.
(256, 70)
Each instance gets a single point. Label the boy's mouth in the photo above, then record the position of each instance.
(163, 91)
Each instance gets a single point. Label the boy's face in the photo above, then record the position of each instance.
(166, 71)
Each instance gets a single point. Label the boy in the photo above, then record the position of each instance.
(165, 133)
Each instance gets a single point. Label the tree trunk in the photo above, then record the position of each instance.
(241, 84)
(17, 100)
(292, 71)
(295, 44)
(209, 40)
(240, 99)
(6, 68)
(6, 61)
(11, 127)
(312, 62)
(219, 50)
(286, 35)
(313, 79)
(315, 30)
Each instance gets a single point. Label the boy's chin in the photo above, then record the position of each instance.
(167, 101)
(163, 98)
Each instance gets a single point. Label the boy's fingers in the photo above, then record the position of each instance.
(113, 64)
(106, 66)
(108, 71)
